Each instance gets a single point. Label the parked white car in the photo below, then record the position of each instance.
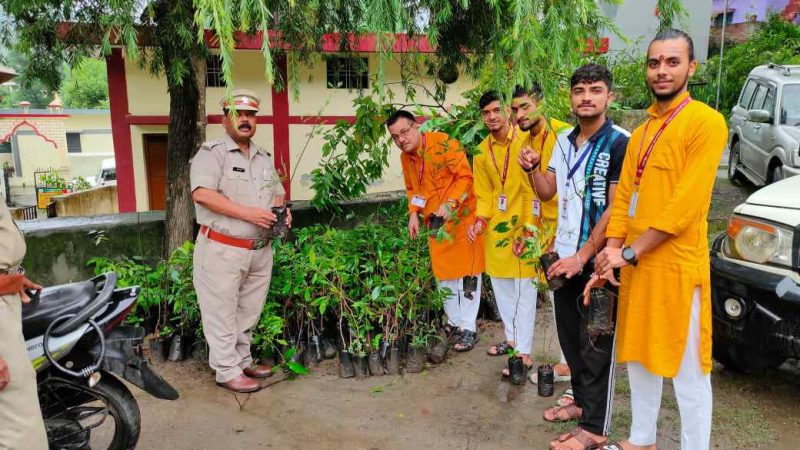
(755, 279)
(765, 126)
(108, 173)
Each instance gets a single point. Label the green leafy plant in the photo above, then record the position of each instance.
(54, 180)
(79, 184)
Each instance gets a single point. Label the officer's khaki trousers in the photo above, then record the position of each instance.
(231, 285)
(21, 425)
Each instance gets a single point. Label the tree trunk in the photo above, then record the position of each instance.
(187, 120)
(199, 65)
(181, 145)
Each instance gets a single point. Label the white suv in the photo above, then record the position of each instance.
(755, 280)
(765, 126)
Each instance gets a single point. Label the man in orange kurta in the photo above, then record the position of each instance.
(657, 235)
(439, 183)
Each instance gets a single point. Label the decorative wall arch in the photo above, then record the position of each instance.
(36, 131)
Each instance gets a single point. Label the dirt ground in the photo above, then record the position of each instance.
(460, 404)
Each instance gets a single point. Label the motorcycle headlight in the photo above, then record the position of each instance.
(759, 242)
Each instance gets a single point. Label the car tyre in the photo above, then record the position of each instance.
(776, 174)
(741, 358)
(734, 159)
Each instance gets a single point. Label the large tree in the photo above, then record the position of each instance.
(497, 42)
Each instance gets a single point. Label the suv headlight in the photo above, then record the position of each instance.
(759, 242)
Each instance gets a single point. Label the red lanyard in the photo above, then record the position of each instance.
(505, 163)
(544, 138)
(646, 157)
(422, 163)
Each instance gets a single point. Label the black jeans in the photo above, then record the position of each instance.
(591, 363)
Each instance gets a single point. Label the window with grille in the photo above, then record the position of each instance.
(73, 142)
(347, 73)
(214, 71)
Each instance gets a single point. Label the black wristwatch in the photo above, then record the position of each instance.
(629, 255)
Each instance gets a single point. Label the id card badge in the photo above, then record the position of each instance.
(502, 202)
(537, 208)
(418, 201)
(564, 206)
(634, 201)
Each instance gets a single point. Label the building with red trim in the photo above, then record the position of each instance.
(290, 127)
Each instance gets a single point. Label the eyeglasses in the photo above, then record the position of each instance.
(402, 133)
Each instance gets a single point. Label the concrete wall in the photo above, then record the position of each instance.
(638, 22)
(59, 248)
(91, 202)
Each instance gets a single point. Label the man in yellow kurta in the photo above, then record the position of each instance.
(657, 235)
(505, 196)
(438, 183)
(535, 131)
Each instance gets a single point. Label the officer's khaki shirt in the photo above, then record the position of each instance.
(12, 244)
(220, 165)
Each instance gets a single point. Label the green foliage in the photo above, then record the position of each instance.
(27, 89)
(86, 86)
(775, 41)
(167, 293)
(353, 156)
(630, 84)
(53, 180)
(371, 282)
(80, 184)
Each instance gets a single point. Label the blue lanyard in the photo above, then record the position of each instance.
(573, 169)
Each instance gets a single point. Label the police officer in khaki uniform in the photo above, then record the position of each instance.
(234, 185)
(21, 425)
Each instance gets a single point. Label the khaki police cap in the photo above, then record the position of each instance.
(243, 99)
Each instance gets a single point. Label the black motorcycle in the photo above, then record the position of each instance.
(77, 346)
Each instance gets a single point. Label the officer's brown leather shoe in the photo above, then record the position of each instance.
(241, 384)
(258, 371)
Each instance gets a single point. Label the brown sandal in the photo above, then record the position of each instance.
(580, 435)
(564, 413)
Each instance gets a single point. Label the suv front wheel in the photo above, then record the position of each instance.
(734, 160)
(741, 358)
(776, 173)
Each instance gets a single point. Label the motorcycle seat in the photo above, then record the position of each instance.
(55, 302)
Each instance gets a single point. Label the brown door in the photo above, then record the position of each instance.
(155, 159)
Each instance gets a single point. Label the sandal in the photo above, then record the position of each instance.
(567, 398)
(563, 413)
(453, 333)
(580, 435)
(500, 349)
(466, 341)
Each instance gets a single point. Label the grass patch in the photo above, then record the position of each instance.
(744, 426)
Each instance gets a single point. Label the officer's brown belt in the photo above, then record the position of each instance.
(10, 284)
(248, 244)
